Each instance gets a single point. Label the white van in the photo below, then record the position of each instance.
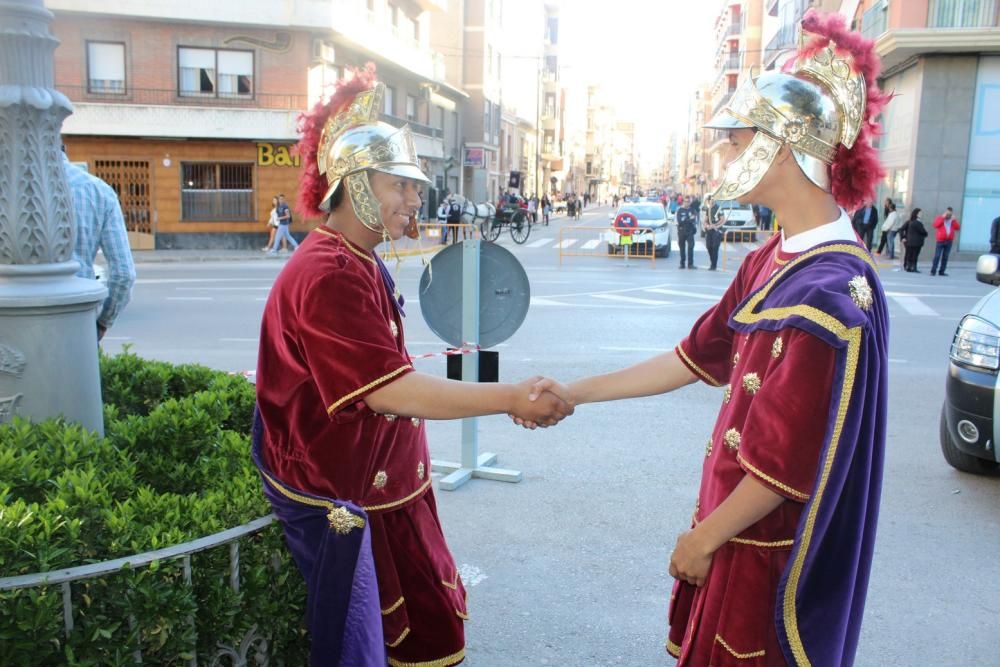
(738, 217)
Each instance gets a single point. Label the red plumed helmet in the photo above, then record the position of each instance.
(312, 184)
(856, 170)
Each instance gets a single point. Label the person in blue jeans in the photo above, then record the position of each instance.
(284, 222)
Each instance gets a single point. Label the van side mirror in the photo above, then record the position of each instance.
(988, 269)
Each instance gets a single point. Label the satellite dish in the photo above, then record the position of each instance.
(504, 295)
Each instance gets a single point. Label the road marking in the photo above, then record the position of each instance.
(190, 298)
(539, 301)
(471, 575)
(677, 292)
(539, 243)
(634, 349)
(590, 245)
(914, 306)
(566, 243)
(631, 299)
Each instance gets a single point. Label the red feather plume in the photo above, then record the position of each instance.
(312, 184)
(855, 171)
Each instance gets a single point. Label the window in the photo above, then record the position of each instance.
(215, 72)
(416, 29)
(487, 122)
(439, 117)
(489, 59)
(217, 191)
(390, 100)
(106, 68)
(411, 108)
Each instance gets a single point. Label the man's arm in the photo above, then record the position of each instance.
(658, 375)
(420, 395)
(113, 243)
(749, 502)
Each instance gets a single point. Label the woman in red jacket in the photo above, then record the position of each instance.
(945, 226)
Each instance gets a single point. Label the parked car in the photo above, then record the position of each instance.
(738, 217)
(969, 427)
(653, 230)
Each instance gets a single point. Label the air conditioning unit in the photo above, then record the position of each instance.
(322, 51)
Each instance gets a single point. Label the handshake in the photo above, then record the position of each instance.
(541, 402)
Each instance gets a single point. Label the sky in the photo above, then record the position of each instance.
(647, 55)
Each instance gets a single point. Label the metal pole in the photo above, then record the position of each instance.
(470, 337)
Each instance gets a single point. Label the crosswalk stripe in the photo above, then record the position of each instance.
(566, 243)
(539, 243)
(631, 299)
(677, 292)
(590, 245)
(914, 306)
(539, 301)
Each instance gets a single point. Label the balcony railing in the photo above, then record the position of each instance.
(174, 97)
(875, 20)
(733, 61)
(735, 28)
(417, 128)
(962, 14)
(791, 16)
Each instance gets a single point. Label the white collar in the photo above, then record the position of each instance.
(838, 230)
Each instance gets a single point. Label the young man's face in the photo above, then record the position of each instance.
(399, 198)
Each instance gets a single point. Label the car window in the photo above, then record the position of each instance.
(730, 204)
(644, 212)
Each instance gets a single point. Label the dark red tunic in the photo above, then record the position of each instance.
(772, 425)
(332, 334)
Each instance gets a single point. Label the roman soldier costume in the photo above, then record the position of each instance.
(798, 346)
(352, 488)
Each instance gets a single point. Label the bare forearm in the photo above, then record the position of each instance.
(654, 376)
(749, 502)
(429, 397)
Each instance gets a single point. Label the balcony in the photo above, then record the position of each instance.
(722, 100)
(962, 14)
(165, 113)
(372, 32)
(787, 36)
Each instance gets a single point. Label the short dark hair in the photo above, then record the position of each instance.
(950, 209)
(281, 195)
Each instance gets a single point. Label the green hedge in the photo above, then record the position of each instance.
(174, 465)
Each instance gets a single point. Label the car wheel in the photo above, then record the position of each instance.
(958, 459)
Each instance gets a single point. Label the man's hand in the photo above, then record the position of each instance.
(539, 387)
(690, 559)
(537, 406)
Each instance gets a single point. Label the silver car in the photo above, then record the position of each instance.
(653, 230)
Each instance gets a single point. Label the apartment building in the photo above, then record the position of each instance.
(941, 141)
(738, 32)
(190, 113)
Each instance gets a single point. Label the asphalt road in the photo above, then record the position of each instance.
(568, 567)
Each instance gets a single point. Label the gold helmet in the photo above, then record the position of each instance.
(352, 141)
(815, 108)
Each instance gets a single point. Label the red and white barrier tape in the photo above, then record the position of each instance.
(465, 349)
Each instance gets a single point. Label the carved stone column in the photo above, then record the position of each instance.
(48, 330)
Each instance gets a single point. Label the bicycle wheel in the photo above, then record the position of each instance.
(520, 228)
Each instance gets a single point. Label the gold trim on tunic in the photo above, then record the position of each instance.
(421, 470)
(727, 395)
(741, 656)
(447, 661)
(405, 633)
(350, 246)
(341, 519)
(697, 369)
(776, 347)
(374, 383)
(732, 439)
(673, 649)
(401, 501)
(751, 383)
(395, 605)
(770, 480)
(381, 479)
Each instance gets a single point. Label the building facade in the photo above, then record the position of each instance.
(191, 115)
(941, 141)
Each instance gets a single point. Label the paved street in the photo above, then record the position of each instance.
(569, 566)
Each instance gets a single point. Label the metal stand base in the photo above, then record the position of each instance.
(456, 475)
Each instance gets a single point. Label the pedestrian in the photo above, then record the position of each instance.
(546, 208)
(284, 227)
(995, 236)
(713, 233)
(765, 218)
(100, 225)
(578, 206)
(272, 224)
(533, 209)
(945, 226)
(890, 227)
(454, 219)
(775, 567)
(442, 218)
(686, 230)
(913, 234)
(864, 222)
(887, 207)
(339, 434)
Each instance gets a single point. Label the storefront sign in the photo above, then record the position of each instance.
(279, 156)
